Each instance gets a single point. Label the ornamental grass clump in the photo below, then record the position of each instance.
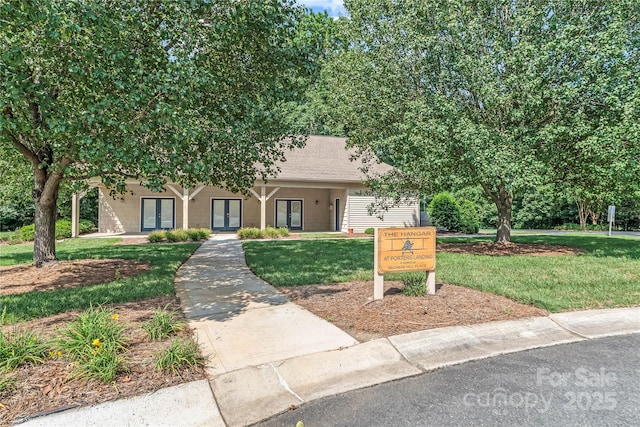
(95, 342)
(414, 285)
(162, 324)
(19, 348)
(181, 354)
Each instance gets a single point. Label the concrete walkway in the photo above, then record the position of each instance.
(267, 354)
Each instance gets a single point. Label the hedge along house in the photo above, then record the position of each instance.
(318, 188)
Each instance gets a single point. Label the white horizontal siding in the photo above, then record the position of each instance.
(357, 214)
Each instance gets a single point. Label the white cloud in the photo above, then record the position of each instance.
(333, 7)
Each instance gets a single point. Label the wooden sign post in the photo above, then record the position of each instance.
(401, 250)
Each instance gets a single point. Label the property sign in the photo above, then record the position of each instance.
(406, 249)
(611, 213)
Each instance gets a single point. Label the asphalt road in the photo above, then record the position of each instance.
(589, 383)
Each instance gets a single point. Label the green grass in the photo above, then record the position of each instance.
(324, 236)
(158, 280)
(606, 275)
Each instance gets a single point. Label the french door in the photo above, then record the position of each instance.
(226, 214)
(289, 214)
(158, 214)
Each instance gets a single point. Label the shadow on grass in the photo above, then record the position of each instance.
(164, 259)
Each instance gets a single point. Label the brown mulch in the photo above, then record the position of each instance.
(350, 307)
(51, 385)
(19, 279)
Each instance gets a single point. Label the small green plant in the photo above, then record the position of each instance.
(162, 324)
(156, 236)
(283, 231)
(370, 230)
(181, 354)
(469, 216)
(414, 285)
(250, 233)
(271, 233)
(7, 384)
(94, 341)
(20, 347)
(330, 319)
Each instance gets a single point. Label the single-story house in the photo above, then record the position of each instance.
(318, 188)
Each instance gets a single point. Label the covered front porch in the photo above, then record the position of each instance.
(309, 207)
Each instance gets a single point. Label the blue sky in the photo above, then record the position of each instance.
(333, 7)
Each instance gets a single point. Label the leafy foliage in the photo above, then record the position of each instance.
(499, 94)
(186, 90)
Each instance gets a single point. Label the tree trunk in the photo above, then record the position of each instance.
(44, 244)
(45, 197)
(583, 212)
(503, 200)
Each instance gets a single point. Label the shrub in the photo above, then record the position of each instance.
(283, 231)
(181, 354)
(469, 217)
(176, 235)
(444, 211)
(162, 324)
(271, 232)
(86, 226)
(250, 233)
(19, 348)
(27, 232)
(196, 234)
(94, 341)
(370, 230)
(63, 229)
(156, 236)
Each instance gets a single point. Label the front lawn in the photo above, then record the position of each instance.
(606, 275)
(158, 280)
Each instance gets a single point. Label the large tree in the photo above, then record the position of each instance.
(185, 90)
(498, 93)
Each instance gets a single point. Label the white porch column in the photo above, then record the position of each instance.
(262, 198)
(185, 209)
(263, 207)
(75, 215)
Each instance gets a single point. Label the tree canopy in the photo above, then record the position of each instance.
(185, 90)
(502, 94)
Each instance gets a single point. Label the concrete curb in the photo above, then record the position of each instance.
(256, 393)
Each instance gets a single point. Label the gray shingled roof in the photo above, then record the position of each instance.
(325, 158)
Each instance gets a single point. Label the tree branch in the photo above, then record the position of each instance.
(24, 150)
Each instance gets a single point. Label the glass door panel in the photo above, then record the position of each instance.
(282, 219)
(295, 214)
(233, 214)
(218, 214)
(166, 213)
(148, 214)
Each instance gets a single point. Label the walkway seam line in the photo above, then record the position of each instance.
(415, 365)
(284, 384)
(566, 328)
